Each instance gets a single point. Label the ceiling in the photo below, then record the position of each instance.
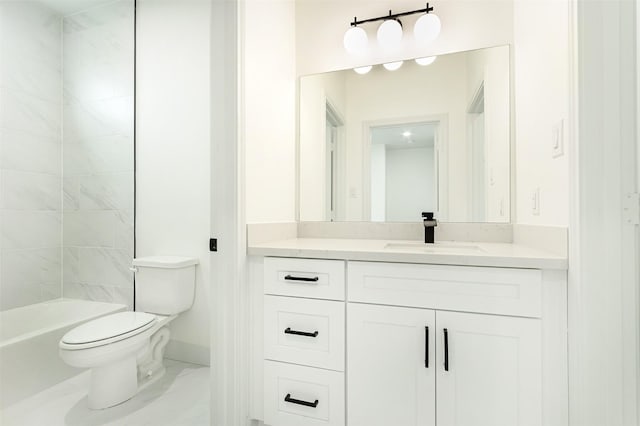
(422, 135)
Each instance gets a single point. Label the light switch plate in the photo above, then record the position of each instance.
(535, 202)
(557, 139)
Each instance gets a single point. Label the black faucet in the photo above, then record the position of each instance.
(429, 224)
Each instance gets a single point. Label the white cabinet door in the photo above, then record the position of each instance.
(494, 371)
(390, 366)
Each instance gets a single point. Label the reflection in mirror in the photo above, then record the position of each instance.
(388, 145)
(403, 171)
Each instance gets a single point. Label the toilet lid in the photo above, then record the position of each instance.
(123, 324)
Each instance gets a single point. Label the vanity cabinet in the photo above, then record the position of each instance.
(391, 366)
(493, 374)
(471, 369)
(425, 345)
(304, 342)
(403, 370)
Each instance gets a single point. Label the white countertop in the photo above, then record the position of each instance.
(442, 252)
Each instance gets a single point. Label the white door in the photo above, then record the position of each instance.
(489, 370)
(390, 366)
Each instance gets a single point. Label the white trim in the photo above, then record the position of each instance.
(513, 196)
(603, 277)
(637, 320)
(441, 159)
(228, 294)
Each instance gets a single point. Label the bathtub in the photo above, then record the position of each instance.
(29, 336)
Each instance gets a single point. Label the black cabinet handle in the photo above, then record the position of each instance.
(301, 333)
(288, 398)
(446, 349)
(307, 279)
(426, 347)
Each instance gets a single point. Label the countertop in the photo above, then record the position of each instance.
(441, 253)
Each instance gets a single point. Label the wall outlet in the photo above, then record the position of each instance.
(557, 139)
(535, 202)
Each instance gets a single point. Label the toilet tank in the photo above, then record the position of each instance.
(165, 285)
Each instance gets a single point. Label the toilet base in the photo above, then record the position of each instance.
(113, 383)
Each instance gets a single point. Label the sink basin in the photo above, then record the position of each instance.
(445, 248)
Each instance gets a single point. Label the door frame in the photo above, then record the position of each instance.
(441, 158)
(337, 120)
(604, 281)
(229, 289)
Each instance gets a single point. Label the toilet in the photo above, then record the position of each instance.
(124, 350)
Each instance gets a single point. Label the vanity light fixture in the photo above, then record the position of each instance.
(392, 66)
(355, 40)
(363, 70)
(389, 34)
(406, 133)
(426, 61)
(427, 28)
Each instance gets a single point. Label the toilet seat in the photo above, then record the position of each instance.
(106, 330)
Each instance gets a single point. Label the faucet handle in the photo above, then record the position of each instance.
(427, 215)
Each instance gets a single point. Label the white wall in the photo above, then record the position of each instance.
(173, 151)
(541, 72)
(269, 110)
(541, 101)
(409, 171)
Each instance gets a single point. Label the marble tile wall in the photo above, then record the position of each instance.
(30, 154)
(98, 151)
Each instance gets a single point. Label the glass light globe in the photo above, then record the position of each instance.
(392, 66)
(426, 61)
(363, 70)
(427, 28)
(355, 40)
(389, 34)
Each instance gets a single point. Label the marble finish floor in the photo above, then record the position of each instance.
(180, 397)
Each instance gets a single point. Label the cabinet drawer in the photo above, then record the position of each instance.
(460, 288)
(314, 278)
(302, 396)
(304, 331)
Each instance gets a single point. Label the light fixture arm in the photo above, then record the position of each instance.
(391, 16)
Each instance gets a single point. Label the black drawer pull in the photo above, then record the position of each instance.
(288, 398)
(426, 347)
(301, 333)
(307, 279)
(446, 349)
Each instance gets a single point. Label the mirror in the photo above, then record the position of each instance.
(387, 145)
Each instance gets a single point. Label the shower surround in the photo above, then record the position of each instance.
(66, 153)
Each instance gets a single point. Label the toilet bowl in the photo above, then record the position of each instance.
(124, 350)
(110, 346)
